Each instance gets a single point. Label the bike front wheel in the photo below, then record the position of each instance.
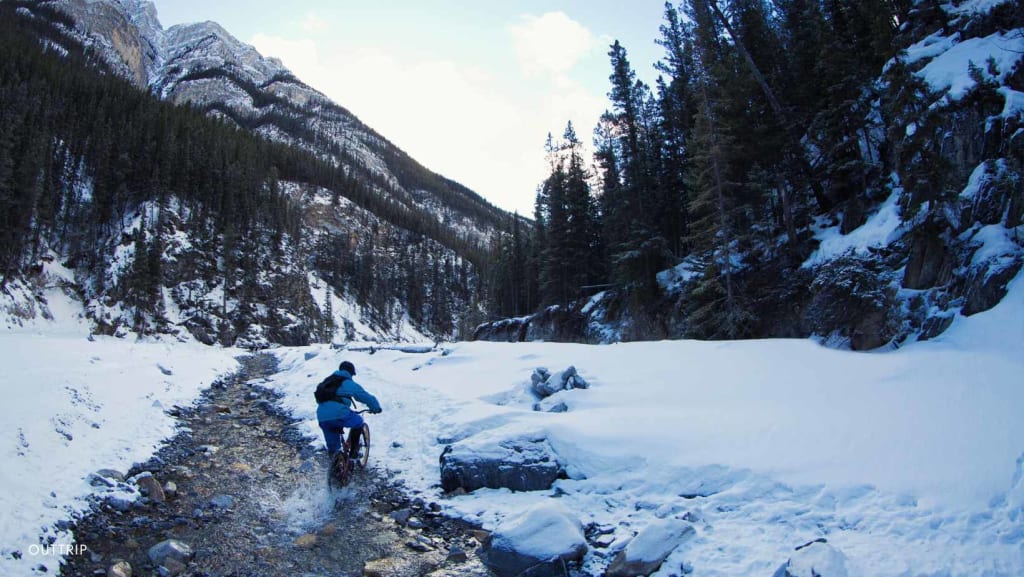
(364, 447)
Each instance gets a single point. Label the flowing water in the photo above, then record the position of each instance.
(252, 499)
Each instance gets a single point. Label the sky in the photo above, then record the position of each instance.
(468, 88)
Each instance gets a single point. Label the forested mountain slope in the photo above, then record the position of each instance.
(848, 170)
(181, 219)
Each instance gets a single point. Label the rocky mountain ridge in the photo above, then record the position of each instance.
(203, 64)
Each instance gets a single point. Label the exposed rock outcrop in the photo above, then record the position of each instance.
(516, 464)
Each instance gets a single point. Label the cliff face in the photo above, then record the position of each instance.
(127, 33)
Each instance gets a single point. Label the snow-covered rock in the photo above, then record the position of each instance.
(538, 542)
(817, 559)
(649, 549)
(546, 384)
(518, 464)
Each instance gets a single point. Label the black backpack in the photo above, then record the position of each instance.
(327, 390)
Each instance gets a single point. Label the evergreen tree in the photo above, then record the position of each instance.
(568, 254)
(328, 314)
(554, 275)
(717, 308)
(677, 107)
(582, 256)
(637, 250)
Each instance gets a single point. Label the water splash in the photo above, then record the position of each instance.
(307, 505)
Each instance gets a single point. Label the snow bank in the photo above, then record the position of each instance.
(876, 232)
(948, 71)
(973, 6)
(906, 461)
(73, 405)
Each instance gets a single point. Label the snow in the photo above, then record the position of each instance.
(673, 278)
(930, 47)
(948, 72)
(994, 241)
(878, 231)
(657, 540)
(818, 559)
(74, 405)
(1014, 102)
(979, 177)
(908, 462)
(973, 6)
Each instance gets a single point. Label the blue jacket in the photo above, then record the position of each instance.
(340, 409)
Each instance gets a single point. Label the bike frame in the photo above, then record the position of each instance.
(339, 471)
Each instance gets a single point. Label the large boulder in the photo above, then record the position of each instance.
(649, 549)
(519, 464)
(853, 298)
(506, 330)
(987, 285)
(538, 542)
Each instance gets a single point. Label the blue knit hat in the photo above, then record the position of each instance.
(348, 367)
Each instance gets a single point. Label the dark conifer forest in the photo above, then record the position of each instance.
(693, 209)
(82, 151)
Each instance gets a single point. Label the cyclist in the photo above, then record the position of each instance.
(336, 414)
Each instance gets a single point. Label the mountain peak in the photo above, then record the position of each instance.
(142, 12)
(209, 45)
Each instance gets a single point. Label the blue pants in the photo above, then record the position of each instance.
(333, 429)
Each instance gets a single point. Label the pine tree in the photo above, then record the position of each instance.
(582, 255)
(637, 250)
(677, 108)
(328, 314)
(554, 274)
(717, 308)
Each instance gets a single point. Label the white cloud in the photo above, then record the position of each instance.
(313, 23)
(551, 43)
(482, 127)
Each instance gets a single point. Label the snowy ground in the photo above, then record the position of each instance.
(907, 462)
(72, 406)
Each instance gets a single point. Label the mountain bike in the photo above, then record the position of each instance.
(341, 468)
